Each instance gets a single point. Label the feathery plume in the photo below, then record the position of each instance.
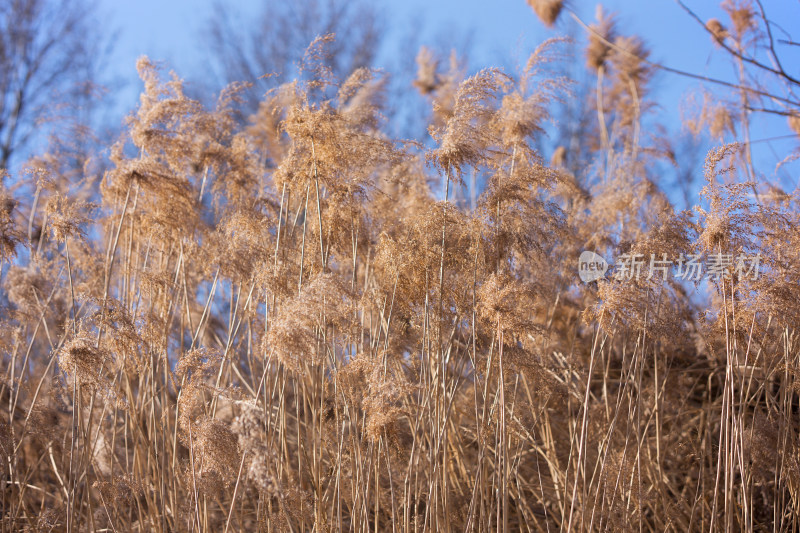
(547, 10)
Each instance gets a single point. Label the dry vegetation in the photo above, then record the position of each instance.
(280, 327)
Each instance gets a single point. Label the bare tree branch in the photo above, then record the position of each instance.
(46, 53)
(683, 73)
(777, 71)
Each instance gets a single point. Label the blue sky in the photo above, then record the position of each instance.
(499, 32)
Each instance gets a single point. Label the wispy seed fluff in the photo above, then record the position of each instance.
(718, 31)
(603, 32)
(547, 10)
(10, 237)
(84, 362)
(218, 449)
(794, 123)
(465, 137)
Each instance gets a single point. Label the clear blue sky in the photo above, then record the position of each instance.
(500, 31)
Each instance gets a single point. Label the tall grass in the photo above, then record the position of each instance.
(282, 327)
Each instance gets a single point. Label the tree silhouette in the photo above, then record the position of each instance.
(48, 50)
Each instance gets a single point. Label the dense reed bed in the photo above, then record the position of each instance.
(299, 324)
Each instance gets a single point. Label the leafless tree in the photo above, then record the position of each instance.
(265, 51)
(48, 49)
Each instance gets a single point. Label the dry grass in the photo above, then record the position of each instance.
(280, 327)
